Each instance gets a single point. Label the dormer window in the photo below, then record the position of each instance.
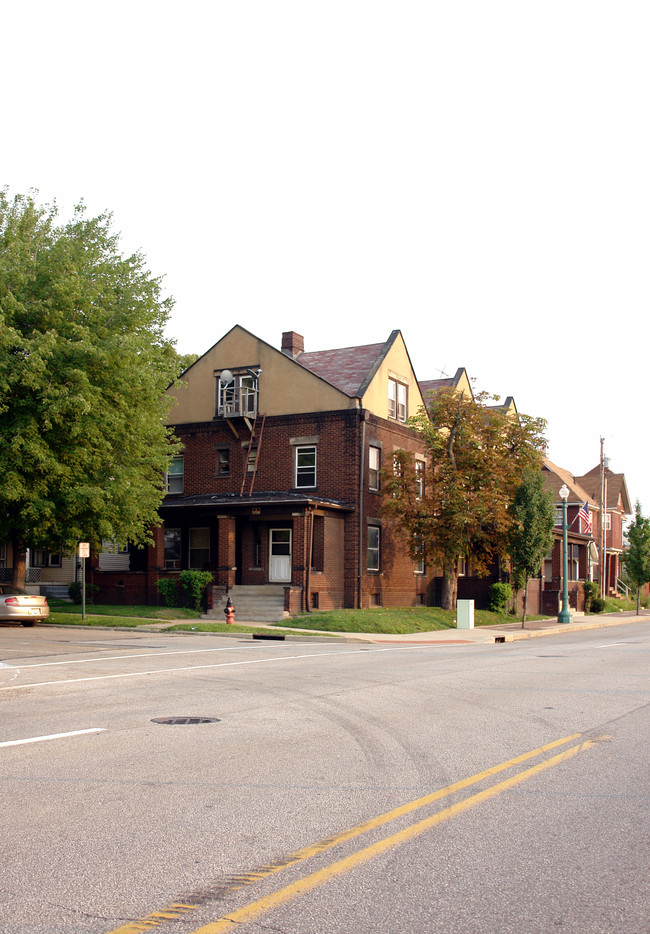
(237, 393)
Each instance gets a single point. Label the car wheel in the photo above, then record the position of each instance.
(28, 622)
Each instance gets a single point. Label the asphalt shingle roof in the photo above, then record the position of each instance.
(345, 368)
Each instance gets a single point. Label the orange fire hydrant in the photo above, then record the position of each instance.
(229, 610)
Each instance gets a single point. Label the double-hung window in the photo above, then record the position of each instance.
(172, 549)
(397, 400)
(175, 474)
(223, 462)
(419, 479)
(305, 466)
(199, 556)
(373, 547)
(374, 463)
(418, 551)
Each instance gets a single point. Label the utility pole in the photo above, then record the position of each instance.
(603, 515)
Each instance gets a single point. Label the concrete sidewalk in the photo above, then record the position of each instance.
(482, 635)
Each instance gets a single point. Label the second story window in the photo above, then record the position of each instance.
(419, 479)
(223, 462)
(305, 475)
(374, 464)
(175, 474)
(397, 400)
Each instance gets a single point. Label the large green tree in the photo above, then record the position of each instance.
(476, 455)
(83, 367)
(530, 539)
(637, 556)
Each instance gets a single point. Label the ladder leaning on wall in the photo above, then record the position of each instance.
(254, 445)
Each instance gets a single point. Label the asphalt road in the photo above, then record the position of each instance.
(333, 788)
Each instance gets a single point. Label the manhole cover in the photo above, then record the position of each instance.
(185, 721)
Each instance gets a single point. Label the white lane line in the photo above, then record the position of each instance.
(165, 671)
(607, 645)
(119, 658)
(40, 739)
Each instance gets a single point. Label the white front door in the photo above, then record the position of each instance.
(280, 555)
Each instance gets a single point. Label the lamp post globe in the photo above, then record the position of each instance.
(564, 615)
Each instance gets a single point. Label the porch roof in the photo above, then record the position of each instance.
(238, 502)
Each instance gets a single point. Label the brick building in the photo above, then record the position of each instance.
(278, 488)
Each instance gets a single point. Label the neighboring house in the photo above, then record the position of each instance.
(46, 572)
(583, 542)
(611, 489)
(582, 551)
(279, 482)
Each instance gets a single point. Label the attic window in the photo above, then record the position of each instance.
(397, 400)
(237, 393)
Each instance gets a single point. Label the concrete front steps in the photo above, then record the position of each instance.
(263, 603)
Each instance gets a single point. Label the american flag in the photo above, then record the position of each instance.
(585, 518)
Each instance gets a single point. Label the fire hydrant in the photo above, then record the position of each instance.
(229, 610)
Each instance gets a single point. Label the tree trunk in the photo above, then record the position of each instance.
(19, 562)
(523, 618)
(449, 589)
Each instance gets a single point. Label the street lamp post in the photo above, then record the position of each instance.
(564, 615)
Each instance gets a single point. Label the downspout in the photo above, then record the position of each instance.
(362, 415)
(310, 552)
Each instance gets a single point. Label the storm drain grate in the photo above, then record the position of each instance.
(185, 721)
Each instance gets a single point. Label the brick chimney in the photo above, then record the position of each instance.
(293, 344)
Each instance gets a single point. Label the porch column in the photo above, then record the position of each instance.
(155, 564)
(300, 553)
(226, 560)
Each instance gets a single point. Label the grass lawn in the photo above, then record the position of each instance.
(395, 621)
(129, 616)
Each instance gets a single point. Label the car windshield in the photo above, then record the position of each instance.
(8, 591)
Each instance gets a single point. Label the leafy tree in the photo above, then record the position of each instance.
(83, 367)
(532, 514)
(476, 456)
(637, 556)
(184, 361)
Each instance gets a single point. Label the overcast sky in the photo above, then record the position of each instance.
(474, 174)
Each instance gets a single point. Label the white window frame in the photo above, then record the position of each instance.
(374, 548)
(419, 478)
(302, 471)
(175, 479)
(397, 399)
(239, 396)
(420, 566)
(374, 466)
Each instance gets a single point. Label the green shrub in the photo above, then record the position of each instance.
(194, 583)
(168, 587)
(74, 591)
(591, 590)
(597, 604)
(500, 597)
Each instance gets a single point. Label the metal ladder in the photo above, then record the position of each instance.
(257, 442)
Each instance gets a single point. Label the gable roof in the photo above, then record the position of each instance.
(349, 369)
(616, 488)
(450, 382)
(556, 476)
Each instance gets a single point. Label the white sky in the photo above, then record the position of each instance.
(476, 174)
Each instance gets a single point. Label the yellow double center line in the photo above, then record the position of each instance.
(307, 883)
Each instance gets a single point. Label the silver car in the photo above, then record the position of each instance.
(20, 607)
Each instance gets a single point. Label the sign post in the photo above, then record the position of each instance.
(84, 552)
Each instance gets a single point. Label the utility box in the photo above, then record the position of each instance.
(464, 614)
